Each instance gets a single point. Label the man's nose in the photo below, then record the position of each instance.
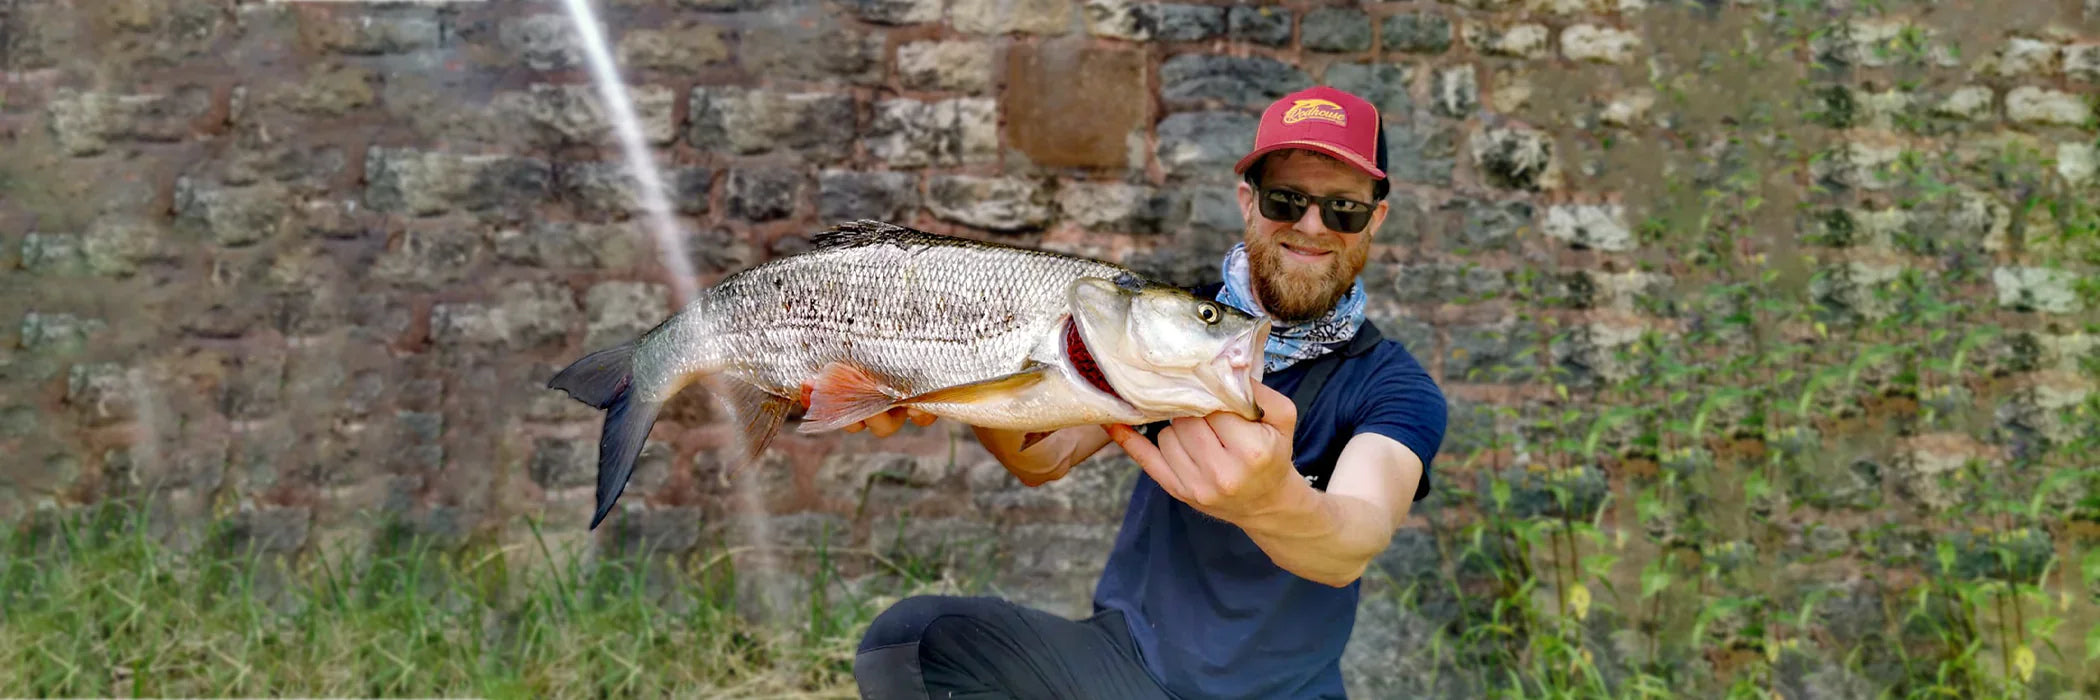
(1310, 222)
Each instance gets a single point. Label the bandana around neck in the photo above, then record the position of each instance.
(1295, 342)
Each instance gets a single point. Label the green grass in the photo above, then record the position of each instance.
(95, 606)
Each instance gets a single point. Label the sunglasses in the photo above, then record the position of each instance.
(1338, 213)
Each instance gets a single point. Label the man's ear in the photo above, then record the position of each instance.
(1378, 216)
(1245, 192)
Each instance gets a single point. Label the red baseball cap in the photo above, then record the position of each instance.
(1323, 119)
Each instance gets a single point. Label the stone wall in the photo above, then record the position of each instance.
(298, 266)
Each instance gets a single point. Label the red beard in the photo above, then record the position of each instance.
(1293, 291)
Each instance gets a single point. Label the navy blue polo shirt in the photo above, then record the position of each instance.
(1213, 616)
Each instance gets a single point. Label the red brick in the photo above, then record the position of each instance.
(1069, 106)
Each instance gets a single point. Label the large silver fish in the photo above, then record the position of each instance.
(877, 316)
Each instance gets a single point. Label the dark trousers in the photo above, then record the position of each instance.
(928, 647)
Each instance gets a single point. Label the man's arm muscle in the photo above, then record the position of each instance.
(1047, 460)
(1332, 537)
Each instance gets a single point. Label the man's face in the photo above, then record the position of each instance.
(1302, 268)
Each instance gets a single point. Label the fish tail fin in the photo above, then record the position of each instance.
(598, 379)
(605, 380)
(627, 424)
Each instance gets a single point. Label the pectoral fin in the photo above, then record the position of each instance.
(994, 389)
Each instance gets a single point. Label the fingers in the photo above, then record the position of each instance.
(920, 418)
(1148, 457)
(886, 423)
(1276, 409)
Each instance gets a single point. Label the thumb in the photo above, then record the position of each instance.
(1277, 410)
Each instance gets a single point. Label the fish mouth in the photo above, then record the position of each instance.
(1085, 365)
(1238, 368)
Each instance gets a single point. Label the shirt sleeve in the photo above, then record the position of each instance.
(1408, 407)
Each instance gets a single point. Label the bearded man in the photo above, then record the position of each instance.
(1236, 570)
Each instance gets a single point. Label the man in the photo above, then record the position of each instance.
(1235, 573)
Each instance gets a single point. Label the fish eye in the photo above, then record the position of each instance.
(1209, 313)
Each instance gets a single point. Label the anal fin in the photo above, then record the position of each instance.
(842, 395)
(757, 415)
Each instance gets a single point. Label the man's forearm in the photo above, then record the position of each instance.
(1323, 537)
(1044, 461)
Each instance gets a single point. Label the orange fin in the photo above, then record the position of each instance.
(842, 395)
(989, 389)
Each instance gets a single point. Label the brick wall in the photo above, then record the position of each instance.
(290, 265)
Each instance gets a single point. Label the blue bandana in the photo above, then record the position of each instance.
(1291, 343)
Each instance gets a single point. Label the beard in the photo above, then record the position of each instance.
(1293, 291)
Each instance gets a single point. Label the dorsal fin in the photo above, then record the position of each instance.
(866, 232)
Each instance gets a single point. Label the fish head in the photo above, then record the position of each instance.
(1167, 352)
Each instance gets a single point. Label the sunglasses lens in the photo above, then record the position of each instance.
(1282, 206)
(1345, 221)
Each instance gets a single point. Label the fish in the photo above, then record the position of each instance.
(875, 315)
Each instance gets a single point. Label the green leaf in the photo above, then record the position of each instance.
(1654, 579)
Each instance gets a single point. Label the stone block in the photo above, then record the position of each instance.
(2082, 62)
(58, 333)
(1448, 283)
(1047, 85)
(1205, 145)
(421, 183)
(623, 311)
(1237, 81)
(1595, 354)
(899, 12)
(2077, 163)
(1596, 44)
(820, 53)
(543, 42)
(995, 203)
(559, 463)
(2028, 104)
(1416, 32)
(958, 66)
(53, 253)
(1422, 150)
(608, 189)
(520, 315)
(115, 246)
(2043, 289)
(764, 194)
(85, 123)
(430, 257)
(1117, 207)
(570, 245)
(818, 126)
(683, 49)
(1490, 225)
(1266, 24)
(1855, 291)
(232, 216)
(844, 195)
(1972, 103)
(1116, 19)
(2024, 57)
(1514, 41)
(908, 133)
(889, 481)
(1454, 91)
(371, 34)
(1335, 30)
(102, 393)
(1384, 85)
(1590, 227)
(1489, 353)
(1515, 158)
(1044, 17)
(576, 114)
(1181, 22)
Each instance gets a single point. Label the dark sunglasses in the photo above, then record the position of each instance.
(1339, 213)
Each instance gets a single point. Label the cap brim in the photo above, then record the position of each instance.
(1347, 156)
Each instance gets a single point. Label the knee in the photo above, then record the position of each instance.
(907, 620)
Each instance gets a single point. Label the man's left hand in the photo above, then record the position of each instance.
(1224, 465)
